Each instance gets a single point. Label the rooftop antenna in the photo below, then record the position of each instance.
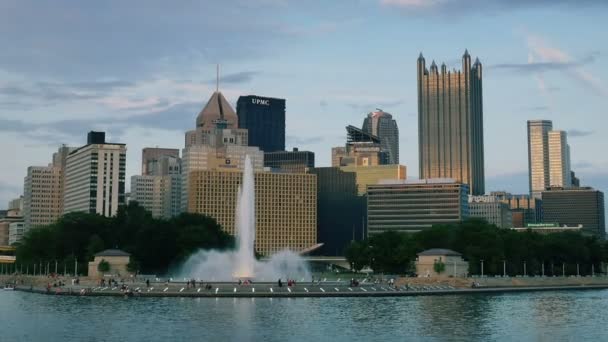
(217, 80)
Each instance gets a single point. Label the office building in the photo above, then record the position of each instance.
(16, 232)
(491, 209)
(286, 206)
(450, 123)
(43, 191)
(217, 115)
(412, 206)
(524, 208)
(367, 175)
(159, 191)
(574, 206)
(340, 210)
(289, 161)
(151, 158)
(362, 149)
(559, 159)
(264, 118)
(12, 215)
(382, 125)
(538, 155)
(216, 144)
(95, 177)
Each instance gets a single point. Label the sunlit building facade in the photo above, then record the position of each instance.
(412, 206)
(286, 206)
(382, 125)
(538, 155)
(450, 123)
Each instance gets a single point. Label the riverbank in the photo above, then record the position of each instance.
(273, 291)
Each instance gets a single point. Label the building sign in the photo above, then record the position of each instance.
(542, 225)
(263, 102)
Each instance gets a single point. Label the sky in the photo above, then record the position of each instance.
(141, 70)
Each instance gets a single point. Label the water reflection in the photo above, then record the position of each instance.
(544, 316)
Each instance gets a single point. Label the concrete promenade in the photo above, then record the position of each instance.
(265, 290)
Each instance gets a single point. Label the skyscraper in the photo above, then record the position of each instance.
(290, 161)
(43, 191)
(95, 177)
(264, 118)
(158, 189)
(382, 125)
(450, 123)
(559, 159)
(538, 155)
(151, 160)
(574, 206)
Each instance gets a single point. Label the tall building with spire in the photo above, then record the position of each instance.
(450, 123)
(382, 125)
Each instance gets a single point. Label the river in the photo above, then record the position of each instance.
(534, 316)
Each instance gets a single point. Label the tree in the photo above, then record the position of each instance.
(103, 266)
(358, 255)
(439, 266)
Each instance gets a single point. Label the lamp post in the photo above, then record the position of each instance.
(543, 269)
(34, 269)
(525, 269)
(481, 268)
(504, 268)
(563, 269)
(577, 273)
(592, 270)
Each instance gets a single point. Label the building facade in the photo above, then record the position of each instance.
(264, 118)
(525, 209)
(412, 206)
(12, 215)
(450, 123)
(538, 155)
(290, 161)
(95, 177)
(285, 208)
(453, 265)
(491, 209)
(340, 210)
(362, 149)
(157, 161)
(382, 125)
(559, 159)
(159, 190)
(574, 206)
(16, 232)
(367, 175)
(43, 191)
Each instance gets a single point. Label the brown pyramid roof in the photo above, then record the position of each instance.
(217, 109)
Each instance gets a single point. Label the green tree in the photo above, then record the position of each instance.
(439, 266)
(358, 255)
(103, 266)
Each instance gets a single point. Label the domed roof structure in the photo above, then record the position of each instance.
(217, 110)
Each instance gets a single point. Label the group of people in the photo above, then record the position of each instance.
(290, 282)
(109, 282)
(245, 282)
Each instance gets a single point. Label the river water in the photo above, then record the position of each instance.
(534, 316)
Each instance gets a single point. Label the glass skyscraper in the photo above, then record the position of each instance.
(450, 123)
(382, 125)
(264, 118)
(538, 155)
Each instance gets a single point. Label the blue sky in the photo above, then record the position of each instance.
(142, 70)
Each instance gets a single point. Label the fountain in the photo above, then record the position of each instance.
(241, 264)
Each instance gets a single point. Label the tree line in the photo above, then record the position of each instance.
(154, 244)
(477, 240)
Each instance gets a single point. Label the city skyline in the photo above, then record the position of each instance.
(532, 71)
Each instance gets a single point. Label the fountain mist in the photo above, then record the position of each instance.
(240, 264)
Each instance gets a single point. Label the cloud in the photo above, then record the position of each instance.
(74, 40)
(368, 107)
(544, 66)
(296, 141)
(177, 117)
(537, 108)
(579, 133)
(468, 6)
(235, 78)
(51, 92)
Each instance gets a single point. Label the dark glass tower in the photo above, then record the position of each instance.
(450, 123)
(382, 125)
(264, 118)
